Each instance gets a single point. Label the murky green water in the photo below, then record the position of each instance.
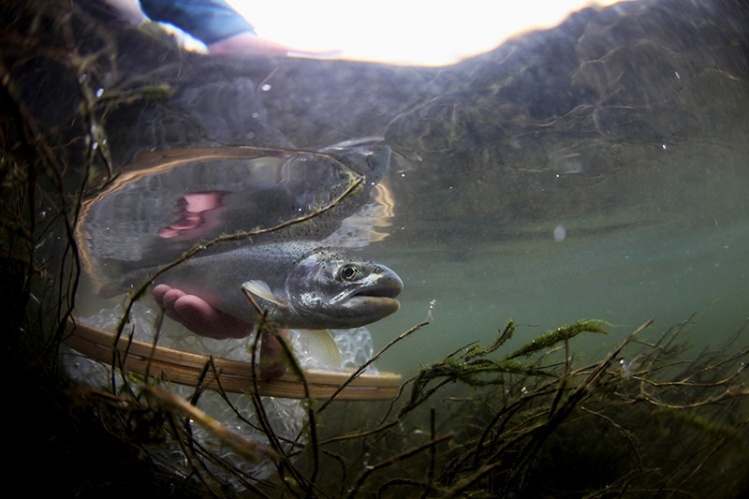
(679, 249)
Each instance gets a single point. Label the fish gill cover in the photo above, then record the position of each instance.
(649, 418)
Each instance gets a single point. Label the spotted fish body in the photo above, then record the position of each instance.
(300, 285)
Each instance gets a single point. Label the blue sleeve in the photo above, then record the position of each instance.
(207, 20)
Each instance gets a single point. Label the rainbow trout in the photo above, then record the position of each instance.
(300, 285)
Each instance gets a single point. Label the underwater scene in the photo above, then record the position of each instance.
(239, 269)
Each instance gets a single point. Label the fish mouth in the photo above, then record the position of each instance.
(367, 301)
(381, 290)
(379, 299)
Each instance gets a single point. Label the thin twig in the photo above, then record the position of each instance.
(374, 358)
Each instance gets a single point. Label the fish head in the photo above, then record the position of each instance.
(329, 289)
(364, 156)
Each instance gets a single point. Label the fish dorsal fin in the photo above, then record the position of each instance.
(320, 345)
(262, 290)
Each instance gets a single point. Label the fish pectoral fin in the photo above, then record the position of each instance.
(262, 290)
(320, 345)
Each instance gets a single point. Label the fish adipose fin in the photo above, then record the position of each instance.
(320, 345)
(262, 290)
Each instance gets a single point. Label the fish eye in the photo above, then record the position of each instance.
(348, 272)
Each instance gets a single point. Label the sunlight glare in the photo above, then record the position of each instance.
(404, 32)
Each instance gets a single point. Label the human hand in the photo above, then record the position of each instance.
(202, 318)
(252, 45)
(199, 316)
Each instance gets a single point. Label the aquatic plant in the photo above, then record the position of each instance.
(643, 420)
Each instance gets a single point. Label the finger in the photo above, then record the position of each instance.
(273, 362)
(170, 298)
(199, 316)
(158, 293)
